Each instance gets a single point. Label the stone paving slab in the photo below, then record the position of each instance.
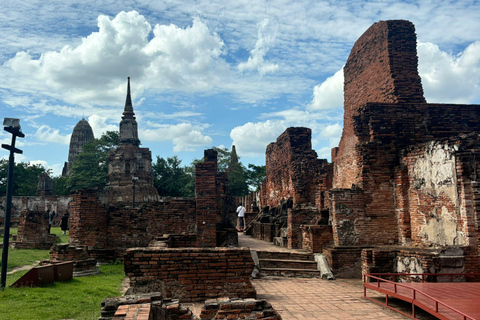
(296, 298)
(302, 299)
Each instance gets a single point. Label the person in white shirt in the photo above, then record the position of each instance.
(241, 214)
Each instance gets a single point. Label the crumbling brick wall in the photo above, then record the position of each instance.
(382, 67)
(120, 227)
(137, 227)
(386, 114)
(293, 170)
(225, 308)
(33, 231)
(191, 274)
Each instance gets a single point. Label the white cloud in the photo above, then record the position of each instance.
(256, 61)
(99, 125)
(56, 168)
(328, 134)
(251, 139)
(184, 136)
(47, 134)
(95, 71)
(329, 94)
(448, 78)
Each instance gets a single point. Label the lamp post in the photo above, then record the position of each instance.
(134, 180)
(13, 126)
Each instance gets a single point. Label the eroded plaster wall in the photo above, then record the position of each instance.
(434, 211)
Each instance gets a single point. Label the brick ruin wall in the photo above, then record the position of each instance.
(293, 170)
(91, 224)
(33, 231)
(382, 67)
(444, 260)
(389, 131)
(191, 274)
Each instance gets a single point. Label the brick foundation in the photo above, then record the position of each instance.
(345, 262)
(191, 274)
(225, 308)
(316, 237)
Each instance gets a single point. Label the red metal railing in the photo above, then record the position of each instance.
(414, 296)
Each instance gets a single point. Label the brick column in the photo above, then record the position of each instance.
(206, 199)
(88, 220)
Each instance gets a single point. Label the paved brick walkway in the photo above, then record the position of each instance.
(297, 298)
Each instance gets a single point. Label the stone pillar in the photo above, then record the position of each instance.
(206, 199)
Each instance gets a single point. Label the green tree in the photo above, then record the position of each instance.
(255, 176)
(25, 178)
(229, 162)
(237, 180)
(171, 179)
(90, 168)
(59, 186)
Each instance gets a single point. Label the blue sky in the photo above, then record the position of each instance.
(209, 73)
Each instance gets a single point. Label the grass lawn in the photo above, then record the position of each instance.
(79, 298)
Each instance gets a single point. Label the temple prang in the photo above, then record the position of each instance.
(129, 164)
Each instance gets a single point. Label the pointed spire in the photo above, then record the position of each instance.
(128, 125)
(128, 102)
(234, 156)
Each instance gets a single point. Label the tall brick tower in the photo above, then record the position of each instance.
(381, 68)
(82, 133)
(129, 165)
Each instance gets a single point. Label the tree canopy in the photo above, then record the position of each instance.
(171, 179)
(90, 168)
(25, 178)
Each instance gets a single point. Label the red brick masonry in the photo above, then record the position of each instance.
(191, 274)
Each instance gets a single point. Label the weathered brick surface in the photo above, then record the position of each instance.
(382, 67)
(293, 170)
(315, 237)
(59, 204)
(82, 261)
(33, 231)
(345, 262)
(388, 129)
(144, 307)
(124, 163)
(88, 220)
(118, 228)
(191, 274)
(208, 212)
(225, 308)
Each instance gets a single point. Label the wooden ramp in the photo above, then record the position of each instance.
(444, 300)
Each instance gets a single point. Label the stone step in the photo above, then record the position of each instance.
(285, 255)
(289, 264)
(289, 272)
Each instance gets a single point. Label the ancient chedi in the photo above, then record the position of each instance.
(82, 133)
(129, 166)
